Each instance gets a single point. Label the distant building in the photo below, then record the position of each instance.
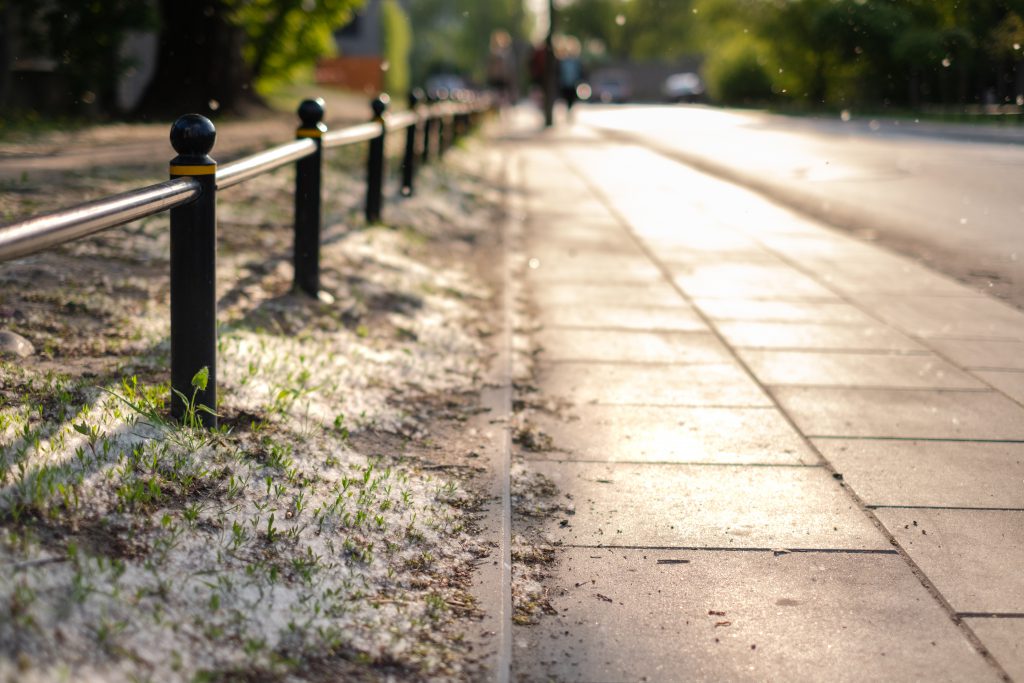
(360, 61)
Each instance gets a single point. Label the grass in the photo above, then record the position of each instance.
(290, 534)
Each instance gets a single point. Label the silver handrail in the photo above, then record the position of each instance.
(49, 230)
(251, 166)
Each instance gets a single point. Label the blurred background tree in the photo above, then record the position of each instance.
(67, 56)
(454, 36)
(223, 50)
(398, 40)
(822, 53)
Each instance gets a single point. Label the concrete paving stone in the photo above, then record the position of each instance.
(631, 346)
(749, 281)
(1010, 383)
(974, 557)
(759, 310)
(930, 473)
(679, 385)
(677, 319)
(806, 247)
(591, 267)
(681, 259)
(968, 317)
(816, 336)
(977, 354)
(856, 370)
(725, 616)
(705, 242)
(558, 225)
(708, 506)
(583, 240)
(669, 434)
(889, 276)
(1004, 638)
(902, 413)
(594, 294)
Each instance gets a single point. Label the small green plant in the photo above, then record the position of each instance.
(193, 410)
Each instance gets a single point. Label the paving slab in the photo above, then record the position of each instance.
(1010, 383)
(679, 385)
(736, 616)
(816, 244)
(966, 317)
(708, 506)
(758, 335)
(1004, 638)
(707, 242)
(747, 280)
(633, 346)
(592, 294)
(887, 275)
(979, 354)
(580, 240)
(653, 318)
(856, 370)
(930, 473)
(759, 310)
(974, 557)
(669, 434)
(903, 413)
(585, 266)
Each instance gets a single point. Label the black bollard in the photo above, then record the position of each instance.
(375, 162)
(193, 275)
(411, 136)
(308, 195)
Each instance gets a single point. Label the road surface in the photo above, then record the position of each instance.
(950, 196)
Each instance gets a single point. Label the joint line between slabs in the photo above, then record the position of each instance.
(990, 615)
(673, 463)
(965, 508)
(926, 439)
(730, 549)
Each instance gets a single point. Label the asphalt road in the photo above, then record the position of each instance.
(951, 196)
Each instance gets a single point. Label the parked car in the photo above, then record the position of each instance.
(684, 87)
(611, 86)
(442, 86)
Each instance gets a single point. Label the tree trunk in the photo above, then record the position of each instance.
(200, 67)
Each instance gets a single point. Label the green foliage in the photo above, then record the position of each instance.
(737, 73)
(286, 36)
(397, 47)
(639, 29)
(870, 52)
(454, 35)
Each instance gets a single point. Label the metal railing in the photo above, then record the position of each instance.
(191, 197)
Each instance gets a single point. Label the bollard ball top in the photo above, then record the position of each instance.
(311, 112)
(416, 96)
(380, 104)
(193, 135)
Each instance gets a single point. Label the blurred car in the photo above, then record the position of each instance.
(610, 86)
(684, 87)
(441, 86)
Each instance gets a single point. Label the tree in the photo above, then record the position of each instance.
(397, 46)
(455, 35)
(83, 40)
(214, 53)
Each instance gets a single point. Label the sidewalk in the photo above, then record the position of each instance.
(791, 455)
